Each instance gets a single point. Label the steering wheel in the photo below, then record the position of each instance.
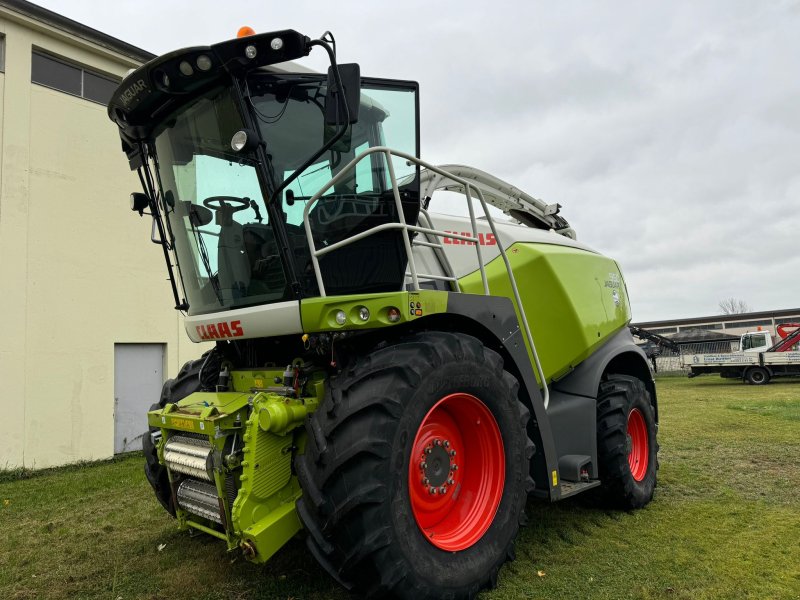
(221, 203)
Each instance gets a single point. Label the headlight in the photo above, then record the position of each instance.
(203, 62)
(186, 68)
(239, 140)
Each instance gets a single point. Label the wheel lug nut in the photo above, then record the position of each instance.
(423, 465)
(432, 490)
(437, 443)
(447, 443)
(452, 452)
(428, 450)
(425, 481)
(443, 490)
(454, 467)
(451, 481)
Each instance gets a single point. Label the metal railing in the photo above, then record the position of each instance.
(429, 232)
(669, 361)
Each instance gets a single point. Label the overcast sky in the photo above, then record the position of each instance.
(669, 132)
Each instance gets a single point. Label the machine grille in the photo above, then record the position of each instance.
(271, 464)
(199, 498)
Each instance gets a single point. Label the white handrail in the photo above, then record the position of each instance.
(405, 228)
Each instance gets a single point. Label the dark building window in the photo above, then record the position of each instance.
(56, 74)
(709, 326)
(2, 53)
(98, 88)
(764, 323)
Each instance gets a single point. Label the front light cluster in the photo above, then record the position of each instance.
(186, 68)
(202, 62)
(360, 315)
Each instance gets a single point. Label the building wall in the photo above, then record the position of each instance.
(77, 271)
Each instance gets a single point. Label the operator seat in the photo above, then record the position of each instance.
(376, 263)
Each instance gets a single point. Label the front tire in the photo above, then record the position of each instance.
(386, 513)
(626, 441)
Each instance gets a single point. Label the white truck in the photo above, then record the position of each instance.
(758, 361)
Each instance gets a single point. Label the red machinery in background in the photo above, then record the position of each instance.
(790, 337)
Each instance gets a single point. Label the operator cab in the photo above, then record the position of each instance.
(230, 152)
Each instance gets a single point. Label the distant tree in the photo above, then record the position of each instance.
(733, 306)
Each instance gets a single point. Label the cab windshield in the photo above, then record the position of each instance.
(215, 199)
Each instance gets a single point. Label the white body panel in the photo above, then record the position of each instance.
(266, 320)
(462, 255)
(782, 358)
(498, 193)
(736, 358)
(742, 359)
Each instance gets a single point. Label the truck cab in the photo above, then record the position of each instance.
(755, 341)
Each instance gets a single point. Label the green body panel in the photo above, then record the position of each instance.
(201, 412)
(254, 433)
(264, 511)
(269, 534)
(319, 314)
(574, 299)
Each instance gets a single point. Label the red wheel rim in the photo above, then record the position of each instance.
(639, 453)
(456, 472)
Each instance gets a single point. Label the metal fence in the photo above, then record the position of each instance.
(669, 361)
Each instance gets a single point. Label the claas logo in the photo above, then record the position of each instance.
(484, 239)
(220, 331)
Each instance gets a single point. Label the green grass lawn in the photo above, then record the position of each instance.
(725, 523)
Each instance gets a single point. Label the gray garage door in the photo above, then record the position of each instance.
(138, 376)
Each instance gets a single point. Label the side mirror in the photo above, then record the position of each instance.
(336, 99)
(139, 202)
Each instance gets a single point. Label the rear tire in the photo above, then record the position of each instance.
(186, 382)
(626, 441)
(364, 502)
(757, 376)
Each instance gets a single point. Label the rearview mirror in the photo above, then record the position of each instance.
(335, 99)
